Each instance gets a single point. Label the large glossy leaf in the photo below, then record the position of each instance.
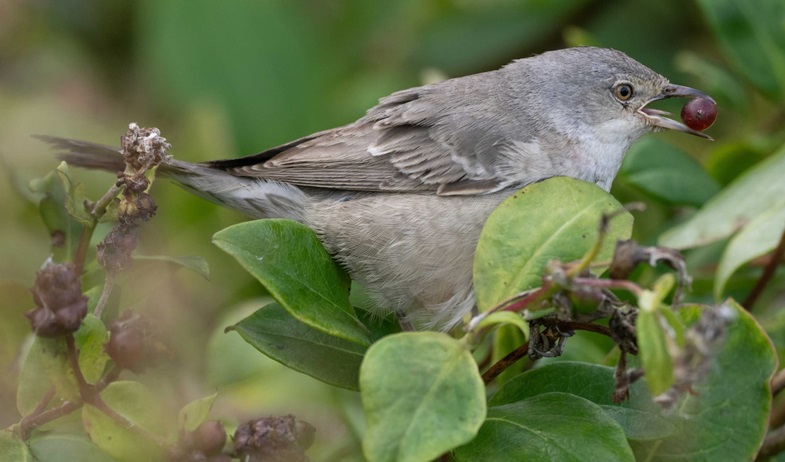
(639, 417)
(422, 395)
(288, 259)
(726, 416)
(554, 219)
(547, 427)
(277, 334)
(758, 238)
(667, 172)
(757, 191)
(752, 34)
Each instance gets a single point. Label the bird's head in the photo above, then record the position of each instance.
(605, 89)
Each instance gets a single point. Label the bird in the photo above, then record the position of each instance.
(400, 196)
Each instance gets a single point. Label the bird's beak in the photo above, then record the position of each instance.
(656, 117)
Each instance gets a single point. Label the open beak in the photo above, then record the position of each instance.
(657, 117)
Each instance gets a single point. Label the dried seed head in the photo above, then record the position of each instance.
(144, 148)
(114, 252)
(132, 342)
(274, 439)
(57, 293)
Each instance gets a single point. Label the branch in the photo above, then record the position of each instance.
(774, 443)
(768, 273)
(107, 290)
(778, 382)
(501, 365)
(587, 326)
(33, 421)
(621, 284)
(81, 249)
(86, 391)
(89, 394)
(507, 361)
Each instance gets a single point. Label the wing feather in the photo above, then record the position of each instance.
(406, 143)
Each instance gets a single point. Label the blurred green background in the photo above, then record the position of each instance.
(224, 78)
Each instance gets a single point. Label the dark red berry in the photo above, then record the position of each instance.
(699, 113)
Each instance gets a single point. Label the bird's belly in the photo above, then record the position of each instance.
(413, 253)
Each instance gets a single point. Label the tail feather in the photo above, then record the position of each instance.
(86, 154)
(256, 197)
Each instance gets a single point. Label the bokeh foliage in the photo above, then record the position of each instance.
(225, 78)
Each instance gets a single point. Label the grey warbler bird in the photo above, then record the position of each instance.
(400, 196)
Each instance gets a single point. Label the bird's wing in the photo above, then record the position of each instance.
(410, 142)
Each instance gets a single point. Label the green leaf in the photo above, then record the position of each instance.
(137, 404)
(667, 172)
(757, 191)
(547, 427)
(506, 339)
(724, 419)
(752, 34)
(75, 198)
(732, 158)
(422, 395)
(90, 341)
(639, 417)
(662, 286)
(13, 449)
(505, 318)
(195, 413)
(194, 263)
(758, 238)
(288, 259)
(54, 215)
(45, 367)
(726, 416)
(675, 324)
(277, 334)
(653, 346)
(554, 219)
(93, 294)
(59, 447)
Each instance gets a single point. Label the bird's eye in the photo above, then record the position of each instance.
(623, 91)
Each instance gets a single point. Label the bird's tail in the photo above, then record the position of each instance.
(256, 197)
